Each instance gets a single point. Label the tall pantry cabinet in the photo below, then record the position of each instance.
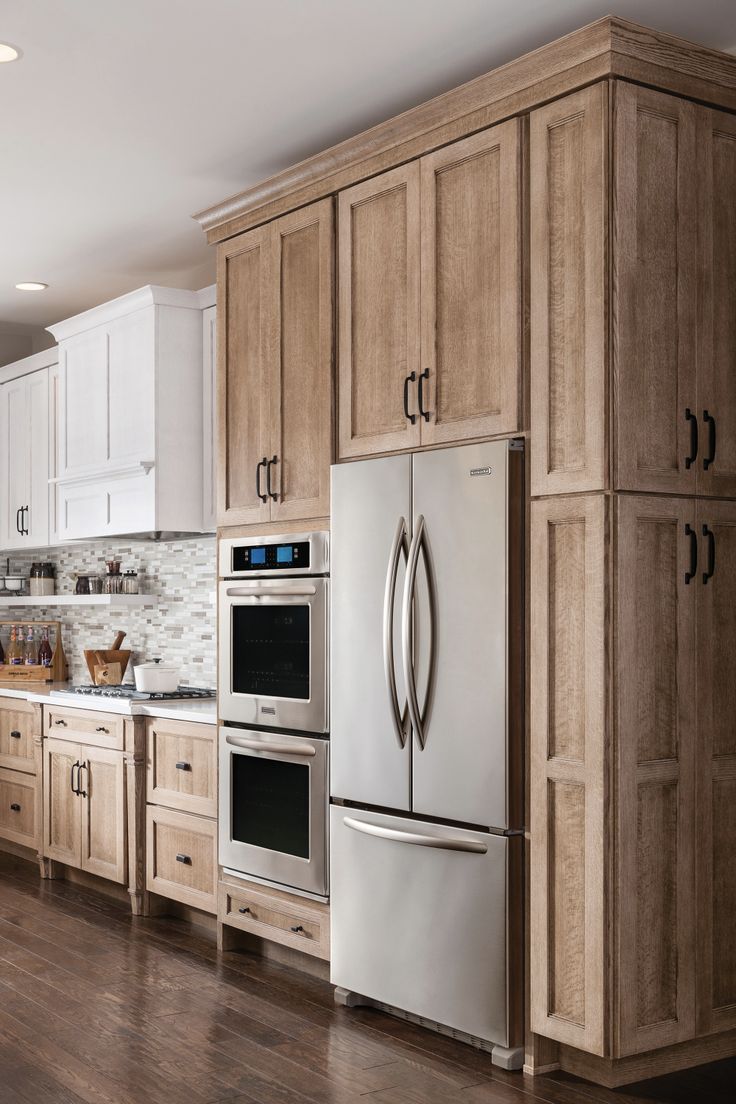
(633, 622)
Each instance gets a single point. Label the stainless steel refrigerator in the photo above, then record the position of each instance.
(426, 738)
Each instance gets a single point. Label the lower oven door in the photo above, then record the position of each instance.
(273, 653)
(273, 807)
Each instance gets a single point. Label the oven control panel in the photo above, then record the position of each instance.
(271, 557)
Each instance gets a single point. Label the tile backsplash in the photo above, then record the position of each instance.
(180, 626)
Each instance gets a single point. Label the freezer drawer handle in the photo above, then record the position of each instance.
(275, 749)
(443, 843)
(399, 545)
(419, 544)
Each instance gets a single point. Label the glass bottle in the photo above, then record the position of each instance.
(15, 652)
(30, 651)
(45, 655)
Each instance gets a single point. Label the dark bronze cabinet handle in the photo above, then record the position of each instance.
(690, 532)
(420, 394)
(75, 789)
(297, 928)
(24, 521)
(15, 734)
(711, 562)
(184, 766)
(184, 859)
(17, 520)
(101, 728)
(244, 910)
(409, 379)
(270, 493)
(690, 417)
(711, 424)
(261, 464)
(62, 723)
(15, 807)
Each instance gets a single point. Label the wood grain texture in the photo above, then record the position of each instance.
(135, 800)
(378, 312)
(191, 786)
(193, 881)
(569, 293)
(273, 915)
(716, 159)
(654, 290)
(716, 709)
(19, 724)
(99, 729)
(18, 807)
(654, 858)
(102, 781)
(568, 906)
(62, 808)
(471, 288)
(608, 48)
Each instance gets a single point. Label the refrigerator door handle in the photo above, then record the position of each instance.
(418, 545)
(400, 544)
(442, 843)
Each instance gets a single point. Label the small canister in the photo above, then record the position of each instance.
(42, 579)
(130, 582)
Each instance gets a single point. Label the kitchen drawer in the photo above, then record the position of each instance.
(100, 729)
(19, 722)
(182, 766)
(280, 917)
(18, 796)
(181, 857)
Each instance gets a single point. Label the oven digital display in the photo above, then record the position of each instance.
(270, 557)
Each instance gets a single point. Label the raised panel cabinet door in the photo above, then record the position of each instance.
(569, 736)
(245, 324)
(657, 585)
(132, 397)
(103, 835)
(378, 314)
(301, 381)
(19, 724)
(654, 291)
(62, 807)
(35, 518)
(84, 367)
(14, 468)
(716, 826)
(471, 293)
(716, 463)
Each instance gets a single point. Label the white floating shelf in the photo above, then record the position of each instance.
(112, 601)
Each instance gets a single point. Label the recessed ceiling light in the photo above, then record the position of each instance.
(8, 52)
(31, 285)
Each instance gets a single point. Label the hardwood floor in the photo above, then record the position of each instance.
(102, 1008)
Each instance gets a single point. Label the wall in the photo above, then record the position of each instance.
(180, 627)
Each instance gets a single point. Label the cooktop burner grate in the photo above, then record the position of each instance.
(129, 693)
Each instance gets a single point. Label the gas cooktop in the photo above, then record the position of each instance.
(129, 693)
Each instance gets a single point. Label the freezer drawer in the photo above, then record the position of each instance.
(419, 921)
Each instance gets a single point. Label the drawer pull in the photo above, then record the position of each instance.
(184, 766)
(101, 728)
(184, 859)
(61, 723)
(15, 807)
(297, 928)
(15, 734)
(245, 911)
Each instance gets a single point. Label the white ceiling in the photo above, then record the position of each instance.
(125, 116)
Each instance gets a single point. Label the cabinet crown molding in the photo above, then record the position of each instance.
(148, 296)
(609, 47)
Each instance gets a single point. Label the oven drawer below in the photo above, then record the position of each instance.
(281, 917)
(181, 857)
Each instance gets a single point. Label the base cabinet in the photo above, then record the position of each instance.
(20, 773)
(271, 914)
(181, 857)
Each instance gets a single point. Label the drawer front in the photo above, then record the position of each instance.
(19, 721)
(100, 729)
(181, 857)
(182, 766)
(293, 921)
(18, 821)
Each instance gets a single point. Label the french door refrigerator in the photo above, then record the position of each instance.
(426, 738)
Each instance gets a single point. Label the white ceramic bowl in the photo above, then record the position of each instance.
(156, 678)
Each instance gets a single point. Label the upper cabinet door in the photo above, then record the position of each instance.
(568, 154)
(379, 363)
(716, 462)
(245, 335)
(84, 407)
(24, 466)
(654, 291)
(471, 287)
(301, 380)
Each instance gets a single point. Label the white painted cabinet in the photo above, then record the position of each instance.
(131, 422)
(24, 458)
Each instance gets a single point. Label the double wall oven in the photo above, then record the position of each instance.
(273, 706)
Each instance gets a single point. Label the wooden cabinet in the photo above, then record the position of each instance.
(20, 772)
(430, 298)
(209, 418)
(273, 915)
(181, 857)
(275, 335)
(18, 808)
(24, 461)
(19, 728)
(182, 766)
(62, 805)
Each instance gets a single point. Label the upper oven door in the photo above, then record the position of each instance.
(273, 653)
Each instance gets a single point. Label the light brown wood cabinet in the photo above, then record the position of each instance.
(657, 333)
(430, 299)
(275, 352)
(20, 773)
(181, 857)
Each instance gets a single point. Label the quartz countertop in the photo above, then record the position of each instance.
(196, 710)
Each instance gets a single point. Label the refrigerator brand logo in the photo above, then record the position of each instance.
(481, 471)
(268, 709)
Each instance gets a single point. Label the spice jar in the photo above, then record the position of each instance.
(130, 582)
(42, 579)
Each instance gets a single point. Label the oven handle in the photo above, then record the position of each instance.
(306, 750)
(255, 592)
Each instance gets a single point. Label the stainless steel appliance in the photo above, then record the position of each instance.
(129, 693)
(273, 622)
(273, 808)
(427, 735)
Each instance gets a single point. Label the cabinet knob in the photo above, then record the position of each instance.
(297, 928)
(15, 734)
(101, 728)
(245, 910)
(184, 859)
(184, 766)
(62, 724)
(15, 807)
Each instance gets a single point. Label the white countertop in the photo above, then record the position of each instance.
(201, 711)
